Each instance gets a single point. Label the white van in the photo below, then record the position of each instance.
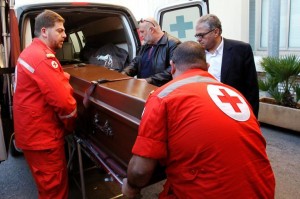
(90, 26)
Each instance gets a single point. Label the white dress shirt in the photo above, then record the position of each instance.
(215, 61)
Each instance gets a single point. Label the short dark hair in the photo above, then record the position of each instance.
(46, 19)
(189, 54)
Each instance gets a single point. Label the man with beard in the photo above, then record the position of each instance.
(44, 108)
(152, 62)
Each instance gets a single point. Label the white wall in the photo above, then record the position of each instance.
(234, 16)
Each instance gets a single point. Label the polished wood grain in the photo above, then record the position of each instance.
(110, 124)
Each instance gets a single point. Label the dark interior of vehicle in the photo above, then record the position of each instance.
(93, 37)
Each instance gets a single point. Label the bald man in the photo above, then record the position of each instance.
(152, 63)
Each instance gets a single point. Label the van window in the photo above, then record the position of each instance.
(76, 43)
(181, 22)
(27, 34)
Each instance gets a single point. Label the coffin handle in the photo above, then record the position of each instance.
(105, 128)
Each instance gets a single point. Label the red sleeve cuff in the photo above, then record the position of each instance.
(149, 148)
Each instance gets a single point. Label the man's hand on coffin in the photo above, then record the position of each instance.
(139, 173)
(130, 192)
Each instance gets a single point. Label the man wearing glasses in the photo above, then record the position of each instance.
(152, 63)
(231, 61)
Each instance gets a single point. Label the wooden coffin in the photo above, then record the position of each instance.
(109, 126)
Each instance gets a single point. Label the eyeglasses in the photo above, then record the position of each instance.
(144, 20)
(201, 35)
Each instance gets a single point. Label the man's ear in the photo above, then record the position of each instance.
(44, 32)
(151, 29)
(173, 69)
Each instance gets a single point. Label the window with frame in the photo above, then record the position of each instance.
(289, 24)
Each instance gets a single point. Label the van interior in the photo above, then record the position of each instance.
(101, 38)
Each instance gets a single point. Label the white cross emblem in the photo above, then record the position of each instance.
(54, 64)
(230, 102)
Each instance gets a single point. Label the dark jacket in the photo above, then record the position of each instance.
(160, 61)
(239, 71)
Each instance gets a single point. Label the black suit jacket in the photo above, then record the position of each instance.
(238, 70)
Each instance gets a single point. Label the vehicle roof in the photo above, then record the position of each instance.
(72, 9)
(19, 3)
(26, 5)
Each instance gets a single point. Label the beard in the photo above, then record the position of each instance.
(148, 39)
(58, 45)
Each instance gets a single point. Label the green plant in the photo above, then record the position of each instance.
(280, 80)
(297, 91)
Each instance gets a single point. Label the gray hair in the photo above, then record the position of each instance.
(212, 21)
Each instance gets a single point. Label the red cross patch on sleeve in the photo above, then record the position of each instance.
(54, 64)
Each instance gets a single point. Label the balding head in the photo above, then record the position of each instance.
(149, 22)
(150, 30)
(189, 55)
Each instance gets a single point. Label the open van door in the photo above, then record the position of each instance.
(3, 78)
(8, 57)
(179, 19)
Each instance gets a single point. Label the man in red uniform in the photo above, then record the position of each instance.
(44, 108)
(206, 135)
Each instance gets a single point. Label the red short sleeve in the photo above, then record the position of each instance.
(152, 136)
